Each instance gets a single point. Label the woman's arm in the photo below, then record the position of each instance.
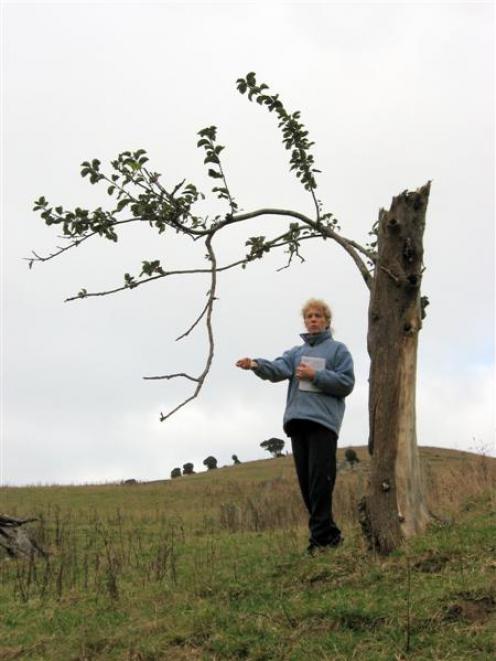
(246, 363)
(271, 370)
(276, 370)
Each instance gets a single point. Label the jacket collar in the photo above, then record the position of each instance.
(316, 338)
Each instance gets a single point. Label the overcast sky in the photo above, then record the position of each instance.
(394, 95)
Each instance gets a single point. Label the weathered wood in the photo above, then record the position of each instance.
(16, 540)
(394, 505)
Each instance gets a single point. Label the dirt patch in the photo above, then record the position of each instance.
(359, 621)
(19, 652)
(9, 653)
(431, 564)
(470, 608)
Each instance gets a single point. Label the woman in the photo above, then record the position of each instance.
(320, 373)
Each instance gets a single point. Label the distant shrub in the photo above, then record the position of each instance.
(351, 456)
(274, 446)
(188, 469)
(235, 459)
(176, 472)
(210, 463)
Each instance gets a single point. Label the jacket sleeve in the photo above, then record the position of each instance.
(276, 370)
(340, 380)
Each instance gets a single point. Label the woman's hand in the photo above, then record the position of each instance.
(305, 372)
(245, 363)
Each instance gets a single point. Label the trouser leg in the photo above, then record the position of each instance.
(314, 453)
(322, 444)
(300, 456)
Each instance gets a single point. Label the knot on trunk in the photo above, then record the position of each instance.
(413, 280)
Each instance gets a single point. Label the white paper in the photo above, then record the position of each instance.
(317, 364)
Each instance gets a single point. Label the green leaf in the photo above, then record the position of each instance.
(241, 86)
(122, 203)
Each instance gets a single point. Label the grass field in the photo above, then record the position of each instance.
(211, 566)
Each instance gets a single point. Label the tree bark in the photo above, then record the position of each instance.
(394, 507)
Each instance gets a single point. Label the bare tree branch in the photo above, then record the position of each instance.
(195, 323)
(138, 283)
(350, 248)
(200, 380)
(392, 275)
(171, 376)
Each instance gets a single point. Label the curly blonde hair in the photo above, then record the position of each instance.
(320, 305)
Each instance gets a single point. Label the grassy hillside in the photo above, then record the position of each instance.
(211, 566)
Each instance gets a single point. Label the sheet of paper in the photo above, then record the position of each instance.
(317, 364)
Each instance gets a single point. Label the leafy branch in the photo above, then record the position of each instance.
(208, 142)
(294, 133)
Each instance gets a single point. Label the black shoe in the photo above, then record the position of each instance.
(336, 541)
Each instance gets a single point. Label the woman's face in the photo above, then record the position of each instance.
(315, 321)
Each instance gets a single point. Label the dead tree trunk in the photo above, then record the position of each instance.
(394, 506)
(15, 540)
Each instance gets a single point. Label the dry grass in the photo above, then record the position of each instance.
(452, 479)
(252, 497)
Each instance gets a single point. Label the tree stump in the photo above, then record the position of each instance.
(16, 540)
(394, 507)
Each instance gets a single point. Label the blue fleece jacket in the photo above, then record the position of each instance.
(333, 383)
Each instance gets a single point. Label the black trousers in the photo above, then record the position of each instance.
(314, 452)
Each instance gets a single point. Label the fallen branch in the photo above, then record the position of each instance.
(16, 541)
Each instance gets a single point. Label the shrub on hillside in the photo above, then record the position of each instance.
(274, 446)
(210, 463)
